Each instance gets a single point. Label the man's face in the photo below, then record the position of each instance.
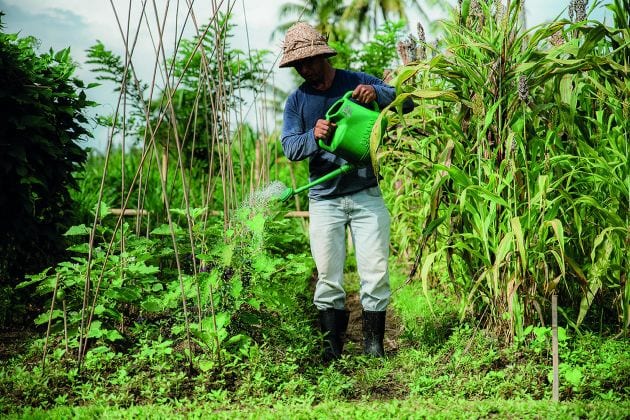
(311, 69)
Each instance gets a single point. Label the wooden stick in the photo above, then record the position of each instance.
(52, 307)
(554, 346)
(303, 214)
(129, 212)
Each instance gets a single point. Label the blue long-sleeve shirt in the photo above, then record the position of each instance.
(302, 110)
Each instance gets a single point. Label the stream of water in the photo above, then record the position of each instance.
(261, 197)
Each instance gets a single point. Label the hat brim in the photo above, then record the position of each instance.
(292, 57)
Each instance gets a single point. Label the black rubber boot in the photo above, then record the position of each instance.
(373, 333)
(333, 323)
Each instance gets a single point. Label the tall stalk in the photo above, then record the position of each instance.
(516, 152)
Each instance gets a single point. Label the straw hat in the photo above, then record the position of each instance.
(303, 41)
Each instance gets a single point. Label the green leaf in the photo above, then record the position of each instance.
(78, 230)
(164, 229)
(222, 320)
(141, 268)
(43, 317)
(573, 375)
(80, 248)
(206, 365)
(255, 303)
(152, 305)
(113, 335)
(125, 294)
(517, 230)
(238, 339)
(237, 287)
(455, 173)
(505, 246)
(256, 224)
(227, 252)
(435, 223)
(489, 117)
(96, 330)
(487, 195)
(464, 8)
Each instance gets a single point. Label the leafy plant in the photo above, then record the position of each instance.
(43, 123)
(506, 149)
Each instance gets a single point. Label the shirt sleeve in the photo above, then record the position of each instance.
(298, 142)
(385, 94)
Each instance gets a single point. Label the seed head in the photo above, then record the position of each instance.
(523, 88)
(498, 11)
(421, 35)
(547, 165)
(577, 10)
(408, 50)
(475, 8)
(557, 39)
(402, 52)
(477, 104)
(421, 50)
(476, 11)
(435, 44)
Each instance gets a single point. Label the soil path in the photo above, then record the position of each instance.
(354, 334)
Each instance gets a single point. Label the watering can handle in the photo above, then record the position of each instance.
(348, 95)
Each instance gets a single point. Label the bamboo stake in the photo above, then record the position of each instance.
(52, 307)
(83, 327)
(554, 346)
(65, 325)
(129, 212)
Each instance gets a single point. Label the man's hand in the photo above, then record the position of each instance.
(324, 130)
(364, 93)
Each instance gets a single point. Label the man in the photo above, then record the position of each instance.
(353, 199)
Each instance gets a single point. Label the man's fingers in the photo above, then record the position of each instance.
(324, 129)
(364, 94)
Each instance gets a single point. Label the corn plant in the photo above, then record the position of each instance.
(518, 154)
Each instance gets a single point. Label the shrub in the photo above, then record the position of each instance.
(41, 125)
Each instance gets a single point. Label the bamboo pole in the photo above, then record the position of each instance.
(554, 346)
(52, 308)
(129, 212)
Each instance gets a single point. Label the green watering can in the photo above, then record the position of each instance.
(351, 139)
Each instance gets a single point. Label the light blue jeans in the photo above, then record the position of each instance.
(368, 218)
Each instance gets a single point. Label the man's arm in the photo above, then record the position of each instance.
(298, 142)
(385, 94)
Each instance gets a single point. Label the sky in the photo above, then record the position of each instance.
(78, 24)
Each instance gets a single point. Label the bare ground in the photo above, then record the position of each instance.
(13, 342)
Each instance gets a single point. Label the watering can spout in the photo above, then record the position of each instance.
(286, 194)
(290, 192)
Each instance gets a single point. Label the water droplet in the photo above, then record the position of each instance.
(264, 195)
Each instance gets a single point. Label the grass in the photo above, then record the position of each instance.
(408, 408)
(440, 370)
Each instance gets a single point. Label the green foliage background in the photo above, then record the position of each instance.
(43, 123)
